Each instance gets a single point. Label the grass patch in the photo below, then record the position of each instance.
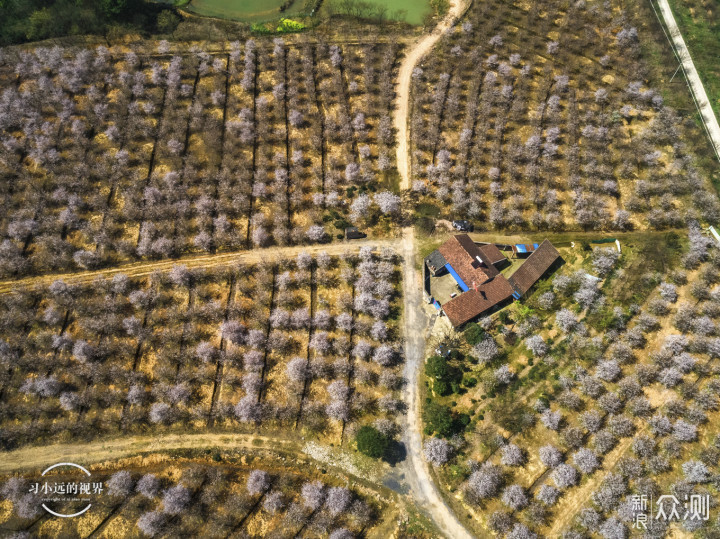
(699, 22)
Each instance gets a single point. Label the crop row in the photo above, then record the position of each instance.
(306, 344)
(523, 118)
(112, 157)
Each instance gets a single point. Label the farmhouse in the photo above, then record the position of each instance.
(467, 280)
(534, 268)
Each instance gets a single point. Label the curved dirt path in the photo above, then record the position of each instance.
(101, 450)
(402, 111)
(139, 269)
(696, 85)
(416, 469)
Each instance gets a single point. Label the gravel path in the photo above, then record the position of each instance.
(416, 52)
(696, 86)
(416, 469)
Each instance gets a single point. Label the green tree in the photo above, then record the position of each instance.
(439, 419)
(167, 21)
(41, 24)
(441, 7)
(113, 8)
(474, 334)
(371, 442)
(445, 377)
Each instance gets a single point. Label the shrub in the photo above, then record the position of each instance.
(371, 442)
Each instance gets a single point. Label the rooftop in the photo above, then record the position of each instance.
(473, 303)
(534, 267)
(471, 264)
(435, 260)
(492, 253)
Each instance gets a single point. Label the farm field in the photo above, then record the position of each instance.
(308, 345)
(191, 494)
(587, 393)
(122, 155)
(520, 120)
(414, 12)
(249, 10)
(220, 240)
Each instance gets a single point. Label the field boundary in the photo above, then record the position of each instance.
(695, 85)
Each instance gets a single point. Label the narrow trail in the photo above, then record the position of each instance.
(33, 457)
(692, 77)
(416, 469)
(140, 269)
(402, 111)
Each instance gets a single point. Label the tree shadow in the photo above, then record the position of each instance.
(395, 453)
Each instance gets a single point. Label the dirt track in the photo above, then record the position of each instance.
(140, 269)
(416, 469)
(98, 451)
(402, 111)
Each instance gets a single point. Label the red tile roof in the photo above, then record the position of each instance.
(473, 303)
(492, 253)
(534, 267)
(462, 254)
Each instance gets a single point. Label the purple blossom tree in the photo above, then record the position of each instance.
(514, 497)
(120, 484)
(175, 500)
(485, 482)
(338, 500)
(437, 451)
(550, 456)
(258, 482)
(586, 460)
(313, 494)
(512, 455)
(548, 494)
(151, 523)
(273, 502)
(148, 485)
(565, 476)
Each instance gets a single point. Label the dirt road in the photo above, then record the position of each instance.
(87, 453)
(696, 85)
(416, 469)
(415, 53)
(139, 269)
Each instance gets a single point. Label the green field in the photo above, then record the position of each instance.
(699, 22)
(255, 11)
(410, 11)
(248, 10)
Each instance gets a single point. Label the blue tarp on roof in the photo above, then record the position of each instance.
(522, 249)
(457, 278)
(436, 304)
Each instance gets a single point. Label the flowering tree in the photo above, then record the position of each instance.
(437, 451)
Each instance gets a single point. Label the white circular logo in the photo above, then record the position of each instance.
(64, 491)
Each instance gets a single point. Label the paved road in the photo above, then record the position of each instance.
(696, 86)
(402, 111)
(416, 469)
